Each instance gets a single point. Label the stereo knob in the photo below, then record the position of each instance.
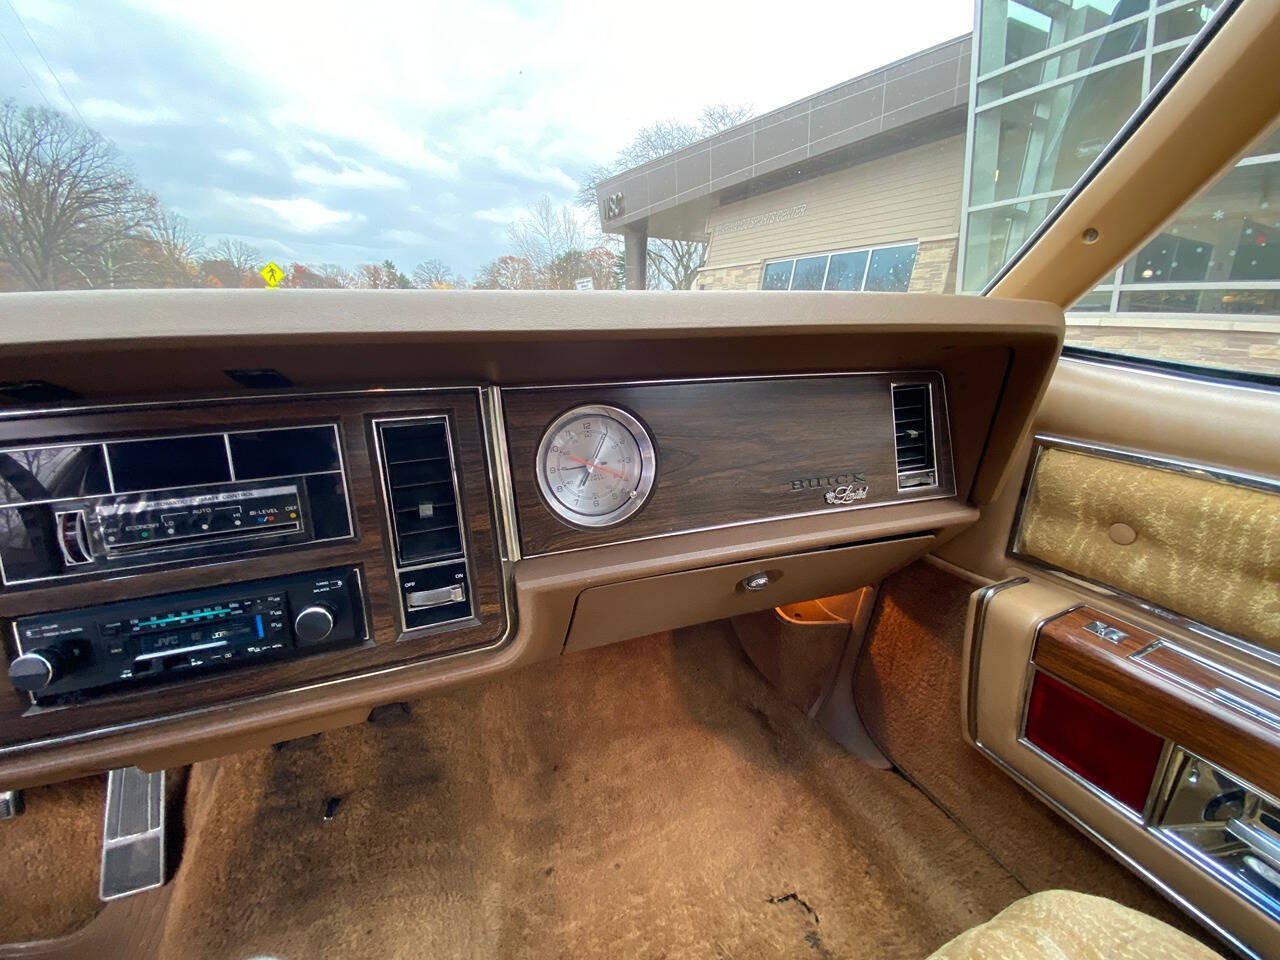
(313, 624)
(36, 669)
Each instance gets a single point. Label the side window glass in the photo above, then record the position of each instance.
(1206, 289)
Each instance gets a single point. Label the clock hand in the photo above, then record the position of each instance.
(596, 466)
(591, 464)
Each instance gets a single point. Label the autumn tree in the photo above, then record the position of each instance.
(68, 202)
(301, 276)
(507, 272)
(381, 276)
(672, 263)
(598, 264)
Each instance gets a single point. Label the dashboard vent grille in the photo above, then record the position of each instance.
(418, 471)
(913, 434)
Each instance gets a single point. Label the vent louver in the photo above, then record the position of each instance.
(913, 434)
(420, 491)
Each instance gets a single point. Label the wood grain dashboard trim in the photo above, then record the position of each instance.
(1154, 683)
(24, 727)
(814, 430)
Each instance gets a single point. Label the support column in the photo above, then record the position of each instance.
(636, 248)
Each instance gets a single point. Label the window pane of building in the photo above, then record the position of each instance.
(1206, 289)
(995, 235)
(1201, 300)
(1074, 59)
(808, 273)
(1162, 61)
(846, 270)
(777, 275)
(1044, 141)
(1092, 302)
(1055, 83)
(1012, 30)
(1229, 233)
(890, 268)
(1183, 21)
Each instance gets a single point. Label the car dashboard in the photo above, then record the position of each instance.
(434, 487)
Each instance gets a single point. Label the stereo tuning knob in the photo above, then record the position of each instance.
(37, 669)
(313, 624)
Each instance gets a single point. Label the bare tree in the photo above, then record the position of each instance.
(672, 263)
(544, 234)
(232, 263)
(176, 248)
(67, 200)
(241, 256)
(335, 275)
(436, 275)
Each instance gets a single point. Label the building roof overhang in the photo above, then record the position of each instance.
(919, 98)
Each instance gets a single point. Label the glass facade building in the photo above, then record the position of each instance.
(1053, 81)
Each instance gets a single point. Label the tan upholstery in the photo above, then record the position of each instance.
(1065, 925)
(1205, 549)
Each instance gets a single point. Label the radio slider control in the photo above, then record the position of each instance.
(424, 599)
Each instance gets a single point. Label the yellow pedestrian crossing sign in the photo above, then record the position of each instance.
(272, 274)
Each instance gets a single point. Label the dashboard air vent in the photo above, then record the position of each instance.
(913, 435)
(418, 471)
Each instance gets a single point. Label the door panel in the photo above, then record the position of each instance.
(1198, 545)
(1144, 503)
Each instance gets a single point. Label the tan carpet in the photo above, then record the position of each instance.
(650, 799)
(49, 861)
(907, 688)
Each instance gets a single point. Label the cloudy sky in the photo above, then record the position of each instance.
(357, 131)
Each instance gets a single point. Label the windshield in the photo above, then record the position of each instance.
(847, 147)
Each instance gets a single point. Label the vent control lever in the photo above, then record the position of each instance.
(424, 599)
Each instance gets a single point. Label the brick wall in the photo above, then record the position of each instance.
(1257, 351)
(741, 276)
(935, 267)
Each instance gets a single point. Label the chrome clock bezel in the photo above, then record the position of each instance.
(648, 467)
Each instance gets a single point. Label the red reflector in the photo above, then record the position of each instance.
(1110, 751)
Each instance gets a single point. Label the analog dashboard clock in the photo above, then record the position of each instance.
(596, 466)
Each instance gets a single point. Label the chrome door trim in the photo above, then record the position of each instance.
(1120, 855)
(975, 645)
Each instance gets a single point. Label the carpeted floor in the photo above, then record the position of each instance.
(649, 799)
(49, 861)
(907, 688)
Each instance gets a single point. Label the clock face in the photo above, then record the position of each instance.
(596, 466)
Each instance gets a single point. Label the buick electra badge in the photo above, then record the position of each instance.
(838, 489)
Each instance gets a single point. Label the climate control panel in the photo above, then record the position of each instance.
(70, 655)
